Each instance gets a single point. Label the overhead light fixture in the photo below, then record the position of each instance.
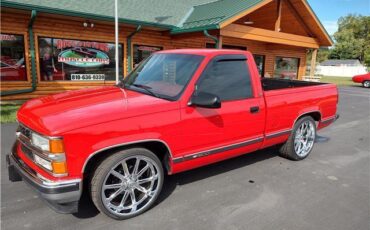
(88, 24)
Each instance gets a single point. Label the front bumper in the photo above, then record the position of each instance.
(62, 196)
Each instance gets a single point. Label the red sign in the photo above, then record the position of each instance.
(61, 44)
(7, 37)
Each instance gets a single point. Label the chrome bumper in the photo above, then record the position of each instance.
(62, 196)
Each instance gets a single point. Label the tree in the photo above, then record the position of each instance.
(352, 39)
(322, 55)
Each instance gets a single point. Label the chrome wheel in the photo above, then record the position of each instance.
(131, 185)
(366, 84)
(304, 138)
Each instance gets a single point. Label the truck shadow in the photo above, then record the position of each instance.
(88, 210)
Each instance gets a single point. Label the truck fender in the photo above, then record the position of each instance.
(119, 145)
(314, 112)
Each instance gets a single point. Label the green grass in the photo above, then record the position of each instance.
(8, 112)
(343, 81)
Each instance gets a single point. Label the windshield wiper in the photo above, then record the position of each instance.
(147, 89)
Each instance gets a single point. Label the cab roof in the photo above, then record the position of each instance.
(204, 52)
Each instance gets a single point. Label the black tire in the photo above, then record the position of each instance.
(287, 150)
(366, 84)
(104, 168)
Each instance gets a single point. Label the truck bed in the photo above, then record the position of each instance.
(274, 84)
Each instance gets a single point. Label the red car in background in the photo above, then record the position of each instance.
(84, 52)
(12, 70)
(364, 79)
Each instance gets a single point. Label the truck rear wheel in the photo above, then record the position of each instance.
(127, 183)
(301, 141)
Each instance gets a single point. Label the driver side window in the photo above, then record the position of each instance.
(226, 77)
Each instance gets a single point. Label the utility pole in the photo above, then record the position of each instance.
(116, 40)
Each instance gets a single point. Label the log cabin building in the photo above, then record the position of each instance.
(53, 46)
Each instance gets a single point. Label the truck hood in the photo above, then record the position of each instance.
(59, 113)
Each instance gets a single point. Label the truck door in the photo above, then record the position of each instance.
(238, 124)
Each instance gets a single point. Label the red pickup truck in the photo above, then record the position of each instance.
(178, 110)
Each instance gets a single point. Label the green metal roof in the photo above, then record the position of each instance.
(178, 16)
(167, 13)
(213, 13)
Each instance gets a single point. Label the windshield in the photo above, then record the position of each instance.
(163, 75)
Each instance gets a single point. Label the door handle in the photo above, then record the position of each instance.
(254, 109)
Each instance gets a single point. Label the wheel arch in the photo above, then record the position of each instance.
(315, 114)
(158, 147)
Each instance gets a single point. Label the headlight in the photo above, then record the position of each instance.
(56, 167)
(42, 162)
(54, 146)
(40, 142)
(54, 160)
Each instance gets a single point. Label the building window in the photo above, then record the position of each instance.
(76, 60)
(13, 66)
(141, 52)
(224, 46)
(227, 78)
(286, 68)
(260, 62)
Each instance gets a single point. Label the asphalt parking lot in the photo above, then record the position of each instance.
(328, 190)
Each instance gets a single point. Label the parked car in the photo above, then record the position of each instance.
(178, 110)
(364, 79)
(84, 52)
(11, 71)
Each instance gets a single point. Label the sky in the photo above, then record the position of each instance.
(329, 11)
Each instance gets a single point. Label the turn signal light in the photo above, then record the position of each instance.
(56, 146)
(59, 167)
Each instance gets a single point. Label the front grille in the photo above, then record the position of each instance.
(25, 131)
(26, 151)
(24, 140)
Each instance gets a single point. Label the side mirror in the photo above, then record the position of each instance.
(205, 100)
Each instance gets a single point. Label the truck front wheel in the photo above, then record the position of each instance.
(127, 183)
(301, 141)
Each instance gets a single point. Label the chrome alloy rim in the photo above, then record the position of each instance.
(131, 185)
(304, 138)
(367, 84)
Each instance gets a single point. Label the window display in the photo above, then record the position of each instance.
(141, 52)
(286, 68)
(260, 62)
(13, 66)
(76, 60)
